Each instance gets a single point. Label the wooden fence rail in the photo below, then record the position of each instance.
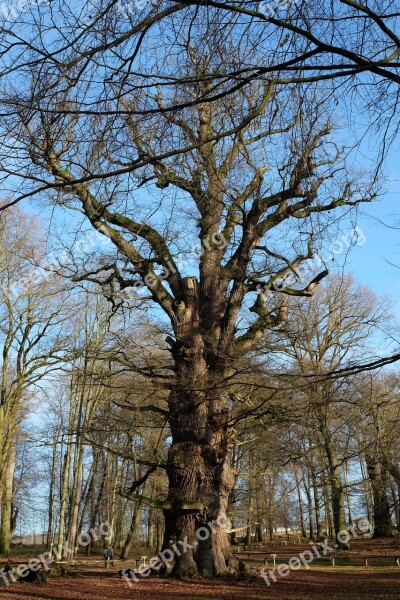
(278, 559)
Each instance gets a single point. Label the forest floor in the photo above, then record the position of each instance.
(93, 582)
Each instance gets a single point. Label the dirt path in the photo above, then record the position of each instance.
(330, 584)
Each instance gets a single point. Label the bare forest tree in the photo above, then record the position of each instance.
(252, 173)
(322, 336)
(33, 329)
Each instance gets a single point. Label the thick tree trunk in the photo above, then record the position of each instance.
(199, 471)
(198, 466)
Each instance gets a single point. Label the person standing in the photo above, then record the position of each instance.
(108, 556)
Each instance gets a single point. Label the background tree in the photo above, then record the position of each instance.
(33, 315)
(322, 335)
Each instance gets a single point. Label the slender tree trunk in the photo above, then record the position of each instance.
(378, 478)
(398, 508)
(270, 495)
(395, 499)
(63, 502)
(232, 496)
(112, 511)
(337, 491)
(95, 509)
(307, 487)
(394, 471)
(317, 509)
(315, 495)
(250, 500)
(77, 472)
(347, 493)
(3, 444)
(65, 480)
(330, 529)
(300, 502)
(75, 505)
(151, 529)
(88, 497)
(160, 531)
(259, 533)
(51, 498)
(367, 490)
(6, 507)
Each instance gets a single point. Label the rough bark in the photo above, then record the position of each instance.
(198, 468)
(198, 464)
(382, 516)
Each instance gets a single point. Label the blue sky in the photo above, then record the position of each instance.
(370, 262)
